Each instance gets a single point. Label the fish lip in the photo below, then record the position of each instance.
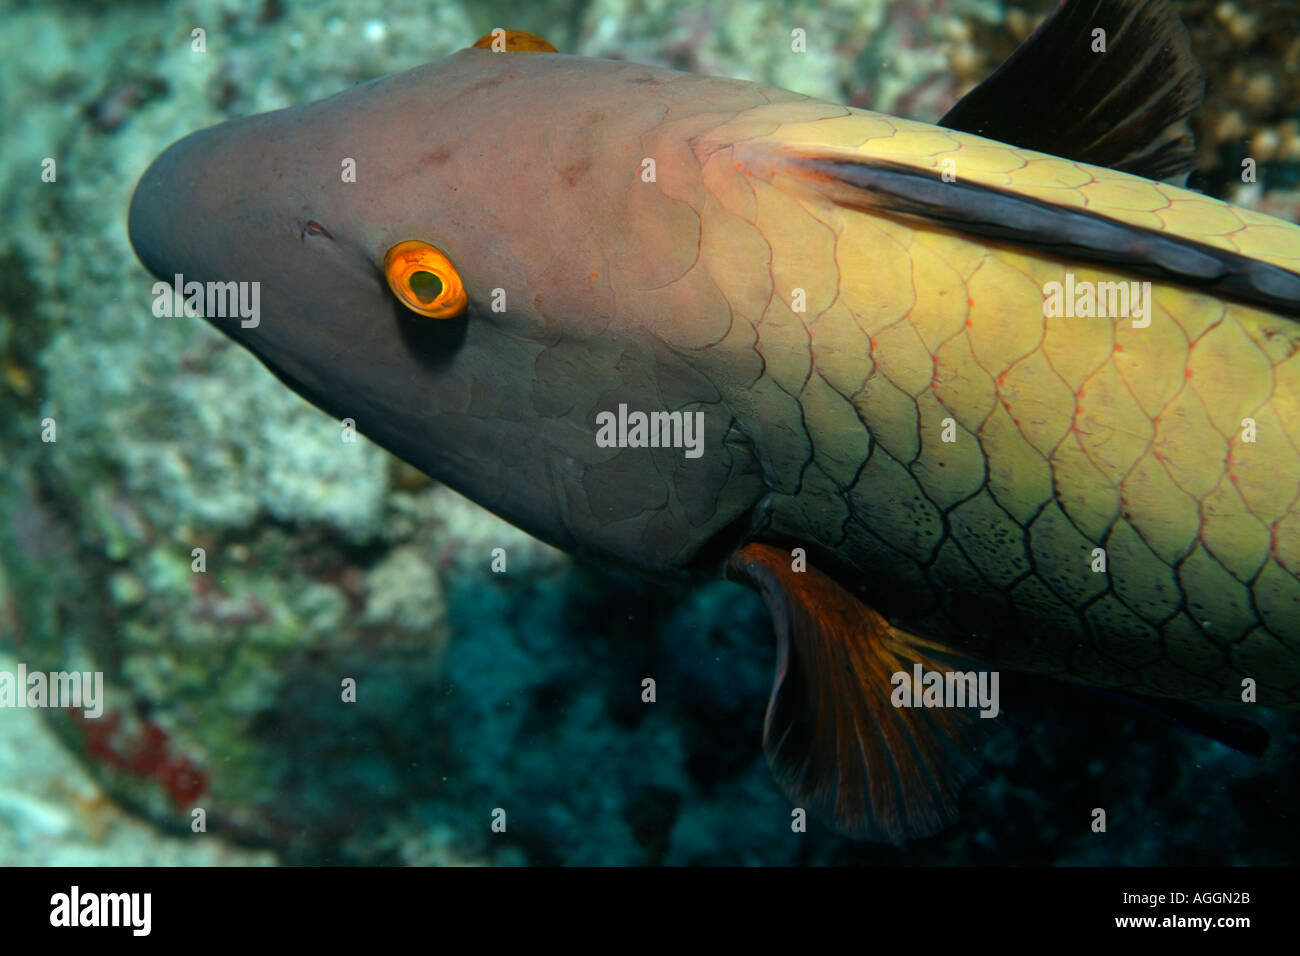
(157, 203)
(143, 243)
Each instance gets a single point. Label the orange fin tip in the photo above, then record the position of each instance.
(835, 736)
(513, 41)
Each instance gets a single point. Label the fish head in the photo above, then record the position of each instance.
(533, 191)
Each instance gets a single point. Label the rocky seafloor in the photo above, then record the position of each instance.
(476, 691)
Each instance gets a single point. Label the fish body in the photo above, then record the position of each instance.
(975, 458)
(896, 374)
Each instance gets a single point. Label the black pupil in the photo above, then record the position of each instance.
(426, 286)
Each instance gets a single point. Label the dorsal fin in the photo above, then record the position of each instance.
(1056, 95)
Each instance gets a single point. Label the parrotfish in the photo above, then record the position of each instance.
(988, 393)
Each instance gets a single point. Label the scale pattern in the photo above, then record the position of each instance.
(1069, 434)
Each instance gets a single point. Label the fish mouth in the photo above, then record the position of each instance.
(152, 225)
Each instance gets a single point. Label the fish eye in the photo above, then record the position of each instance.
(424, 280)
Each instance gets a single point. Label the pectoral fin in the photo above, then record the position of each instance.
(834, 739)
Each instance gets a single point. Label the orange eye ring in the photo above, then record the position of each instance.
(424, 280)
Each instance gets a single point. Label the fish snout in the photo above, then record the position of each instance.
(155, 222)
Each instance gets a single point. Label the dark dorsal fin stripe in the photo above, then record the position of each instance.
(1067, 232)
(1055, 95)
